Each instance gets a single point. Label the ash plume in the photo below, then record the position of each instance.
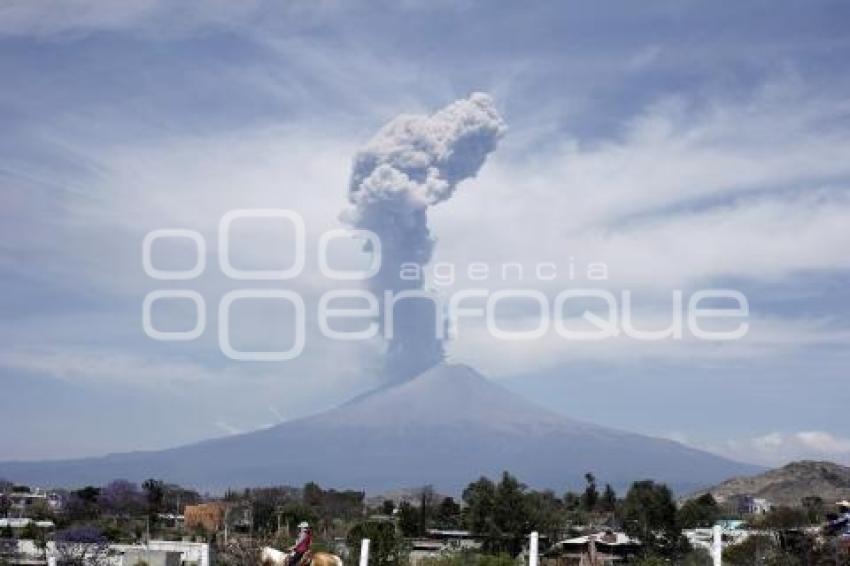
(415, 162)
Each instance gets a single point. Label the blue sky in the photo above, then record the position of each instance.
(685, 144)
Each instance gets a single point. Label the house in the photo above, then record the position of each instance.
(733, 532)
(604, 547)
(135, 556)
(166, 553)
(760, 506)
(171, 520)
(454, 539)
(195, 553)
(154, 553)
(438, 542)
(425, 549)
(23, 502)
(749, 505)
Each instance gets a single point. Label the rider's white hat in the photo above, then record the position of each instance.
(843, 503)
(303, 525)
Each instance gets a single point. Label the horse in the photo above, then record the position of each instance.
(274, 557)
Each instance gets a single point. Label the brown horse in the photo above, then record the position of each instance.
(324, 559)
(272, 557)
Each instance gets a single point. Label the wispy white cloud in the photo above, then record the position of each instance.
(774, 448)
(103, 366)
(767, 338)
(684, 173)
(51, 18)
(778, 448)
(762, 238)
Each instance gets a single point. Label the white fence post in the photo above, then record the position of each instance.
(717, 545)
(532, 549)
(364, 552)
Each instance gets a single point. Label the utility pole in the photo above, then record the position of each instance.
(533, 549)
(364, 552)
(717, 545)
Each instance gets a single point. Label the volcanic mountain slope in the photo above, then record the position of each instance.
(789, 484)
(446, 427)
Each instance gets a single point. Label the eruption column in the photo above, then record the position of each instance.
(415, 162)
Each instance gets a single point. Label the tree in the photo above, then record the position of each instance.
(264, 515)
(386, 547)
(121, 498)
(81, 546)
(572, 501)
(30, 531)
(700, 512)
(427, 502)
(243, 551)
(40, 510)
(470, 558)
(408, 519)
(756, 549)
(177, 497)
(5, 504)
(155, 494)
(331, 504)
(294, 512)
(608, 502)
(88, 493)
(591, 495)
(649, 514)
(696, 557)
(387, 507)
(448, 513)
(348, 504)
(503, 514)
(784, 518)
(814, 508)
(511, 515)
(312, 495)
(480, 499)
(545, 513)
(82, 504)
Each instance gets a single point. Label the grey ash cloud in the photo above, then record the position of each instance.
(415, 162)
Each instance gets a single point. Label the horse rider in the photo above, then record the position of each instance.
(302, 543)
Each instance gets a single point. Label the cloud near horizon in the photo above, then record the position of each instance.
(777, 448)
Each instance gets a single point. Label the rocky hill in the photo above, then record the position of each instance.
(789, 484)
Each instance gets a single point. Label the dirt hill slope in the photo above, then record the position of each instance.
(789, 484)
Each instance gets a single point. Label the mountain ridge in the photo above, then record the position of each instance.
(446, 427)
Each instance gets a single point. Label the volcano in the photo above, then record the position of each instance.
(446, 427)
